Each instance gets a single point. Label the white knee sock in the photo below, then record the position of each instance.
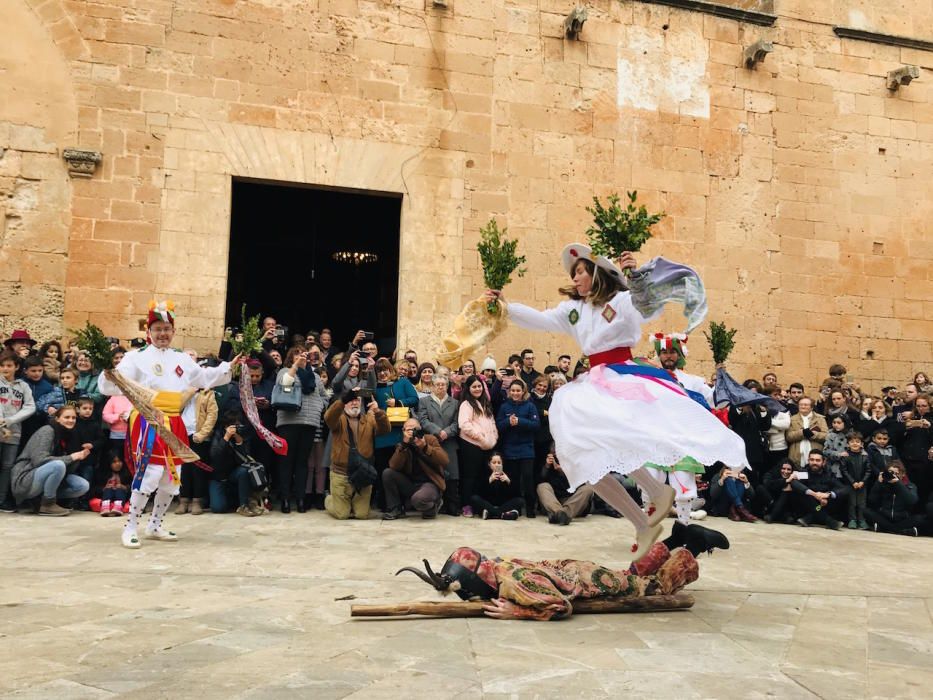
(683, 507)
(138, 503)
(651, 487)
(614, 493)
(160, 504)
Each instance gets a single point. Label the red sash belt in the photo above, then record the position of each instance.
(615, 356)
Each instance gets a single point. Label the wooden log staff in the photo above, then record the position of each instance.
(471, 608)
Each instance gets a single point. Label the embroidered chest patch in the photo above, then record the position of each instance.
(608, 313)
(178, 370)
(573, 317)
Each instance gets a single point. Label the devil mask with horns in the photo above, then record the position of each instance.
(466, 572)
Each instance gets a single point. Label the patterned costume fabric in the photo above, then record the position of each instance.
(660, 281)
(544, 590)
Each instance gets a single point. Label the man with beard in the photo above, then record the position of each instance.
(349, 426)
(672, 354)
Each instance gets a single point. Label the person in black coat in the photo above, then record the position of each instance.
(820, 489)
(750, 423)
(786, 504)
(891, 501)
(497, 496)
(230, 445)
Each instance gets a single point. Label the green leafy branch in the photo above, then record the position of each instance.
(617, 230)
(93, 343)
(497, 255)
(249, 339)
(720, 341)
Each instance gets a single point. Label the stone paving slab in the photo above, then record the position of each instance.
(246, 608)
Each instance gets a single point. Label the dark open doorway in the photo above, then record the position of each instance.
(283, 242)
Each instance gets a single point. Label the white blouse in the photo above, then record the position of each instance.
(596, 329)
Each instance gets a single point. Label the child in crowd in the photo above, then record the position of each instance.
(881, 452)
(16, 405)
(857, 472)
(518, 423)
(116, 489)
(116, 414)
(89, 434)
(43, 394)
(68, 386)
(835, 447)
(499, 498)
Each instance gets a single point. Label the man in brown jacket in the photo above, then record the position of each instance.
(343, 414)
(415, 477)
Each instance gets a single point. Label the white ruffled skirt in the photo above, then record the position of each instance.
(606, 422)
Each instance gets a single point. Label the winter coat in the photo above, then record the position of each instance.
(777, 433)
(369, 428)
(795, 434)
(894, 501)
(342, 382)
(750, 426)
(518, 441)
(404, 394)
(44, 395)
(881, 458)
(38, 451)
(307, 381)
(856, 468)
(431, 462)
(542, 405)
(205, 411)
(435, 418)
(87, 386)
(16, 405)
(114, 409)
(821, 481)
(476, 429)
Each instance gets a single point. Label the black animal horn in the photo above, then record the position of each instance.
(441, 583)
(420, 574)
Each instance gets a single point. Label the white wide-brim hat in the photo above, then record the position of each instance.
(578, 251)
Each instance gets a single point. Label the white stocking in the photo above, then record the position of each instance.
(163, 499)
(138, 503)
(614, 493)
(685, 489)
(650, 487)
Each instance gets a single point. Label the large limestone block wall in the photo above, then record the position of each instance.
(38, 111)
(800, 190)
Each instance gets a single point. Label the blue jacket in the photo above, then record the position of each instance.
(44, 394)
(518, 441)
(405, 395)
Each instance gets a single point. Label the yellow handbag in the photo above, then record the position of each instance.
(397, 415)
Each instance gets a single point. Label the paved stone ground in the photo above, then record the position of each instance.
(246, 608)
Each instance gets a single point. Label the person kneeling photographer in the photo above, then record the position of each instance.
(890, 501)
(231, 462)
(415, 476)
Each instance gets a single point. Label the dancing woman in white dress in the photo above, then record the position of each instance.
(622, 413)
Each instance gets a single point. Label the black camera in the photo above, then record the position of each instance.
(366, 395)
(368, 335)
(892, 476)
(417, 434)
(240, 429)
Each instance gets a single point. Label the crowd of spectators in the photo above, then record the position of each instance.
(470, 443)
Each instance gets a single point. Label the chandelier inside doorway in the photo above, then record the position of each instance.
(355, 257)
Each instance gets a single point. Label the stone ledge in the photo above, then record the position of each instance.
(889, 39)
(762, 19)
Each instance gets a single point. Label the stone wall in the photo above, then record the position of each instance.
(37, 112)
(800, 189)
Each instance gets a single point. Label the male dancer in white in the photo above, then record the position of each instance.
(170, 372)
